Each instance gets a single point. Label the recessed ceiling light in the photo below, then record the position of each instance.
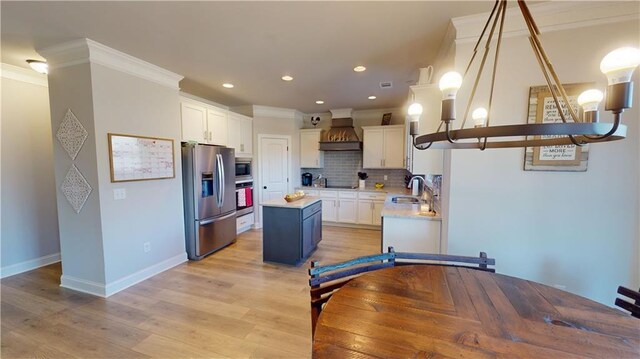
(287, 78)
(359, 68)
(371, 97)
(39, 66)
(320, 102)
(227, 85)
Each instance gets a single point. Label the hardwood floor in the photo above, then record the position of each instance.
(230, 304)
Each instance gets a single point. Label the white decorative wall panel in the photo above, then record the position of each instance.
(71, 134)
(75, 188)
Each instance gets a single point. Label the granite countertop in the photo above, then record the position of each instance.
(405, 210)
(366, 189)
(301, 203)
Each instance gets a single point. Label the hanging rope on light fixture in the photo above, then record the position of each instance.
(617, 65)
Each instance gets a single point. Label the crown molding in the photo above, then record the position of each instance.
(550, 16)
(88, 51)
(22, 74)
(189, 97)
(276, 112)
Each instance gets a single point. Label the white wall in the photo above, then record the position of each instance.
(579, 230)
(29, 221)
(103, 245)
(153, 210)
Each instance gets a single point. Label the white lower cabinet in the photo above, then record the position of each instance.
(347, 211)
(329, 210)
(244, 223)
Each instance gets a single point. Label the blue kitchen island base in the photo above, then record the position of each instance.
(291, 231)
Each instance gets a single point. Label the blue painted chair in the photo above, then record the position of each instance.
(326, 280)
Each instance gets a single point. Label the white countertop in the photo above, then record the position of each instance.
(301, 203)
(366, 189)
(406, 210)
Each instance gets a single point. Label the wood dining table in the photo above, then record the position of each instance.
(427, 311)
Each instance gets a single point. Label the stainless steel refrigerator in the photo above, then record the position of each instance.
(208, 177)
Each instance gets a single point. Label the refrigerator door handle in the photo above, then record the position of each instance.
(220, 180)
(223, 178)
(209, 221)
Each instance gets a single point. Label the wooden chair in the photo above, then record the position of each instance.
(634, 307)
(325, 280)
(482, 261)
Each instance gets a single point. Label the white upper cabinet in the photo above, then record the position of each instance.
(217, 126)
(240, 134)
(203, 123)
(383, 146)
(310, 154)
(194, 122)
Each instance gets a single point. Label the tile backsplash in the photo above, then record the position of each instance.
(341, 169)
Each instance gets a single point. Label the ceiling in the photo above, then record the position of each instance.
(253, 44)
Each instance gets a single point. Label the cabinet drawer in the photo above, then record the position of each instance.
(343, 194)
(328, 194)
(376, 196)
(244, 221)
(316, 207)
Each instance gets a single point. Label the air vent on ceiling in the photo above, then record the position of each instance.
(386, 85)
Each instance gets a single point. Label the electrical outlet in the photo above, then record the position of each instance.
(119, 193)
(147, 247)
(385, 177)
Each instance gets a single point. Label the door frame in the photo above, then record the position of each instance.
(258, 178)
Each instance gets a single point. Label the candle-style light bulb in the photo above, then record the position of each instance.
(589, 100)
(449, 85)
(415, 111)
(479, 116)
(619, 64)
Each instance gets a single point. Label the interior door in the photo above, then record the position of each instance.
(274, 168)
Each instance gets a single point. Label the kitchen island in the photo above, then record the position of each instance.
(291, 230)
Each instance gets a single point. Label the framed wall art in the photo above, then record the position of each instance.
(139, 158)
(542, 109)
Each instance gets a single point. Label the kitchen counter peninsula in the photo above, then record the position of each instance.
(291, 230)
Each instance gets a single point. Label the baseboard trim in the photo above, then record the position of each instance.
(29, 265)
(101, 290)
(137, 277)
(82, 285)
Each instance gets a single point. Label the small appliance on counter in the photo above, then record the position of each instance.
(307, 179)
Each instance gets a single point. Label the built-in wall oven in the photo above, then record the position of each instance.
(244, 197)
(244, 187)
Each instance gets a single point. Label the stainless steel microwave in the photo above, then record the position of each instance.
(243, 169)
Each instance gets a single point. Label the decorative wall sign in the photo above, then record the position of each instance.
(71, 134)
(386, 119)
(139, 158)
(75, 188)
(542, 109)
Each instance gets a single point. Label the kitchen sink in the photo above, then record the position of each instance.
(405, 200)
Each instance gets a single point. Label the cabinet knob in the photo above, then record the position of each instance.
(264, 187)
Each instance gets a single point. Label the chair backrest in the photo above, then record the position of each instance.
(634, 307)
(325, 280)
(482, 261)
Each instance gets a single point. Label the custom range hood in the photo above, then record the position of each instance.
(341, 136)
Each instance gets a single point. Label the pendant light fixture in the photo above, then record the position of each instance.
(618, 66)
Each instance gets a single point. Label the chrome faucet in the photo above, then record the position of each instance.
(425, 191)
